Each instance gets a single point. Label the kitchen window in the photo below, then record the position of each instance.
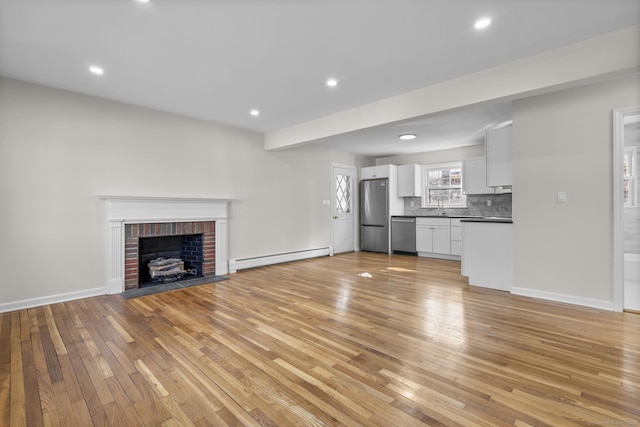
(443, 186)
(630, 177)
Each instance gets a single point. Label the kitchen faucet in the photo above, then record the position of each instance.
(441, 206)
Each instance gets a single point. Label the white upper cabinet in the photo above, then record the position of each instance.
(474, 176)
(409, 182)
(380, 171)
(498, 152)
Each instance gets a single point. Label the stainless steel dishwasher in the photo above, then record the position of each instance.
(403, 234)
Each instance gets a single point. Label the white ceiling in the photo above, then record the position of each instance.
(217, 59)
(439, 132)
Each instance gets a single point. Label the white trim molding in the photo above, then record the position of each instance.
(261, 261)
(619, 115)
(50, 299)
(121, 210)
(564, 298)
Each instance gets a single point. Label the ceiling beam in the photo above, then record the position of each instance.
(608, 56)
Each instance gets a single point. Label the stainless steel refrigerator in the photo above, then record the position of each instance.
(374, 215)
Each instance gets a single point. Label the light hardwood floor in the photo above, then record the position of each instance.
(355, 339)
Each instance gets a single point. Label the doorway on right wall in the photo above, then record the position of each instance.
(631, 202)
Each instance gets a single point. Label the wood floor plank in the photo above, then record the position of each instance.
(87, 387)
(320, 343)
(33, 407)
(53, 332)
(150, 409)
(17, 408)
(5, 369)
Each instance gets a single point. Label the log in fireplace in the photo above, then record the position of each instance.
(169, 258)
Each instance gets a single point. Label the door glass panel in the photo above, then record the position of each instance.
(343, 194)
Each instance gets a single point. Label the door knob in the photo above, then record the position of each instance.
(335, 217)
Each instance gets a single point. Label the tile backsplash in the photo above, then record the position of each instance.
(476, 206)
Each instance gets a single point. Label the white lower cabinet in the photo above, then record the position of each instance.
(424, 238)
(442, 240)
(433, 237)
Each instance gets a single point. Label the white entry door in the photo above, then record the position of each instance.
(343, 217)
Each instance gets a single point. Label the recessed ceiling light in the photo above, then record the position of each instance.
(254, 113)
(482, 23)
(143, 1)
(332, 82)
(96, 70)
(407, 136)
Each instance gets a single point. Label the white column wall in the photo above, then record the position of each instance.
(564, 142)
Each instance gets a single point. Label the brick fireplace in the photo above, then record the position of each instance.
(129, 219)
(196, 235)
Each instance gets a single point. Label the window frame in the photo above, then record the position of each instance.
(425, 185)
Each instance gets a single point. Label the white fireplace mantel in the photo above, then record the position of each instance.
(121, 210)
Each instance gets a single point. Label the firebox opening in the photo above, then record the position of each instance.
(187, 248)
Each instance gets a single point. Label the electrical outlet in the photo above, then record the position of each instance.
(489, 202)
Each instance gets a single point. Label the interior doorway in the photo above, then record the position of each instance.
(626, 209)
(343, 215)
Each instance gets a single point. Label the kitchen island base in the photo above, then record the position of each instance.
(487, 254)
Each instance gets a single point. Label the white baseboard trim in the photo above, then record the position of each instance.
(50, 299)
(440, 256)
(564, 298)
(260, 261)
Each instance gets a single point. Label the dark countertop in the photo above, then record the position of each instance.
(490, 219)
(463, 218)
(435, 216)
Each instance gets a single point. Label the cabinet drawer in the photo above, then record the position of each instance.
(434, 222)
(456, 233)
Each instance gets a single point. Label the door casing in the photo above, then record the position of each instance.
(354, 204)
(619, 115)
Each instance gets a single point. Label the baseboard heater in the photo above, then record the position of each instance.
(260, 261)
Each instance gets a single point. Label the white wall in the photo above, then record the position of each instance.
(563, 142)
(58, 150)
